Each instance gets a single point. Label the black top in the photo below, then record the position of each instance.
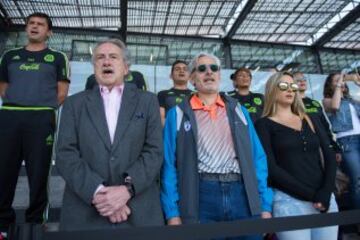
(32, 76)
(314, 108)
(171, 97)
(253, 102)
(138, 79)
(294, 161)
(91, 82)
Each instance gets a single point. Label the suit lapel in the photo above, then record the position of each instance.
(128, 105)
(96, 112)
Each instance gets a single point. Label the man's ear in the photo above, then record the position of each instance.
(49, 34)
(126, 71)
(192, 79)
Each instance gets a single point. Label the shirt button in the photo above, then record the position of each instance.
(112, 159)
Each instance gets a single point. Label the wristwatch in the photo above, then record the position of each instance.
(129, 185)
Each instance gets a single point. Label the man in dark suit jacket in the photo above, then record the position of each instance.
(110, 149)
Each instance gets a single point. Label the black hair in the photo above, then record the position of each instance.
(40, 15)
(241, 69)
(328, 91)
(177, 62)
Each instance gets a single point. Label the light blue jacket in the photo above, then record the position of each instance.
(179, 176)
(341, 119)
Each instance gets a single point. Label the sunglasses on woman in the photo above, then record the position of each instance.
(284, 86)
(202, 68)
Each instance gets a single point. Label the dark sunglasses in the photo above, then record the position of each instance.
(284, 86)
(202, 68)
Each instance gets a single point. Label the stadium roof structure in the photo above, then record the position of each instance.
(320, 35)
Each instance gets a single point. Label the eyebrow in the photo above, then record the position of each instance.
(107, 54)
(34, 21)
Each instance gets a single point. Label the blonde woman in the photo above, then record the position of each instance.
(302, 182)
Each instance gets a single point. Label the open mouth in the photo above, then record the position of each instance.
(107, 72)
(209, 80)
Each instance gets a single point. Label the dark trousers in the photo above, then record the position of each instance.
(224, 201)
(25, 135)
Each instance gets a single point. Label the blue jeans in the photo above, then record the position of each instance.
(351, 166)
(284, 205)
(224, 201)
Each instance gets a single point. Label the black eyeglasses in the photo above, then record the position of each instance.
(284, 86)
(202, 68)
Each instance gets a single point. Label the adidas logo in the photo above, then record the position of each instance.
(16, 57)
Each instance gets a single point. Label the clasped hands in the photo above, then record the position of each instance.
(111, 202)
(319, 206)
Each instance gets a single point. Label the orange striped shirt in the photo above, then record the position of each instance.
(216, 151)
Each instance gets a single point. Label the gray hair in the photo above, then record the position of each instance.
(193, 63)
(117, 42)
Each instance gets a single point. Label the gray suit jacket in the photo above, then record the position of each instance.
(86, 158)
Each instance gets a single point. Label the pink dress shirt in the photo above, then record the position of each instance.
(112, 102)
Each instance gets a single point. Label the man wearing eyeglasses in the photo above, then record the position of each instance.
(314, 108)
(214, 167)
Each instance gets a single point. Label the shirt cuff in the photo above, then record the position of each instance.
(98, 189)
(171, 213)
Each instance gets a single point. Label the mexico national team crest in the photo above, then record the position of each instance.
(257, 101)
(178, 100)
(129, 78)
(187, 126)
(49, 58)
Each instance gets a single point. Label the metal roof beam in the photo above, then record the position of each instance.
(75, 31)
(167, 16)
(3, 12)
(203, 18)
(79, 11)
(20, 10)
(102, 33)
(338, 27)
(292, 11)
(123, 19)
(246, 10)
(284, 20)
(227, 54)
